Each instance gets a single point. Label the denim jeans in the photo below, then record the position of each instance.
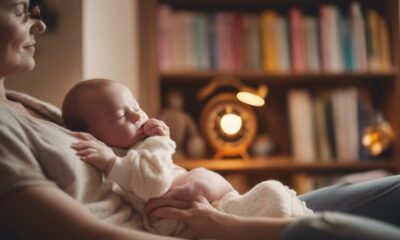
(369, 210)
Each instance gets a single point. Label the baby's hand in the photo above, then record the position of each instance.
(93, 151)
(154, 127)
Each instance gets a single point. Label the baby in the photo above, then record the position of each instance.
(108, 111)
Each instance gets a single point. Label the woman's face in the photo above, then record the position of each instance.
(17, 37)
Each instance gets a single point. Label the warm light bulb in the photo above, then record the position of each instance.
(377, 138)
(231, 123)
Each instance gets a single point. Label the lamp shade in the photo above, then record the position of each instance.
(251, 96)
(245, 94)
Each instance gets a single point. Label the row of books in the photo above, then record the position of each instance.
(328, 125)
(335, 40)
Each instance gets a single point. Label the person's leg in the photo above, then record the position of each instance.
(339, 226)
(378, 199)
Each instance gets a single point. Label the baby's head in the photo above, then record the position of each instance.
(106, 109)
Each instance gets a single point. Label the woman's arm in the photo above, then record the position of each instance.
(44, 212)
(204, 221)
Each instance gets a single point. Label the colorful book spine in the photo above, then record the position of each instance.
(268, 26)
(359, 36)
(164, 37)
(311, 48)
(386, 63)
(213, 46)
(237, 41)
(347, 42)
(251, 41)
(373, 40)
(282, 42)
(332, 59)
(296, 18)
(301, 125)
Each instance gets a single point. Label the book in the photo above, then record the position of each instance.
(385, 45)
(344, 103)
(332, 58)
(201, 45)
(224, 30)
(325, 37)
(301, 125)
(269, 42)
(324, 148)
(296, 18)
(311, 43)
(347, 42)
(252, 41)
(176, 29)
(213, 46)
(282, 42)
(373, 40)
(237, 41)
(164, 37)
(359, 37)
(186, 42)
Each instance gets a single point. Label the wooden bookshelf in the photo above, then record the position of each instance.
(385, 86)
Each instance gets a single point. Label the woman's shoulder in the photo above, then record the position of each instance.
(7, 115)
(41, 108)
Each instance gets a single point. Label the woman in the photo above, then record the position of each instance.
(45, 192)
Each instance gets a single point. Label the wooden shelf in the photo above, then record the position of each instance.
(276, 78)
(274, 119)
(283, 164)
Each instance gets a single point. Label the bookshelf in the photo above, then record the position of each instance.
(383, 85)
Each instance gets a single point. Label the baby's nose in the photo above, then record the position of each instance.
(134, 116)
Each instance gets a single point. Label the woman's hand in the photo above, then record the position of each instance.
(201, 219)
(94, 151)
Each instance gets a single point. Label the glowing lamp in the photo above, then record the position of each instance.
(231, 123)
(228, 122)
(378, 136)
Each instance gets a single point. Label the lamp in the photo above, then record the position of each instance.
(228, 122)
(245, 94)
(378, 135)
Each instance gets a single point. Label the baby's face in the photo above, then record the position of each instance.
(113, 115)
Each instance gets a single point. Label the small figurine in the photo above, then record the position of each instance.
(183, 130)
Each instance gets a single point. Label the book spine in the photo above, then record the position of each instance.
(164, 37)
(359, 37)
(296, 16)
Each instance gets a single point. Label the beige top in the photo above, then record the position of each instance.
(38, 152)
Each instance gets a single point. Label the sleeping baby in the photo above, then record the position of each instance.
(145, 170)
